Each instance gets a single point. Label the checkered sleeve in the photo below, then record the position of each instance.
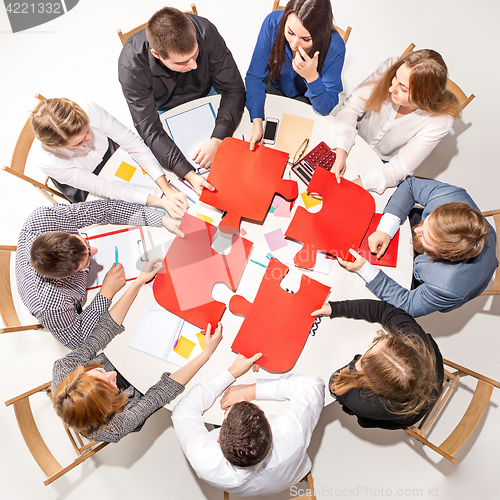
(70, 218)
(70, 327)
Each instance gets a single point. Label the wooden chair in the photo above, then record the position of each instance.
(20, 155)
(7, 310)
(310, 487)
(471, 418)
(125, 36)
(343, 34)
(36, 445)
(495, 290)
(451, 86)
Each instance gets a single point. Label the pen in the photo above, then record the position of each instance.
(116, 255)
(258, 263)
(242, 136)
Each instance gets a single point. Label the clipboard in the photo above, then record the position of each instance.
(132, 254)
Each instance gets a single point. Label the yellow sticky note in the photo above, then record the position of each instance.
(201, 339)
(184, 347)
(308, 201)
(125, 171)
(205, 218)
(143, 171)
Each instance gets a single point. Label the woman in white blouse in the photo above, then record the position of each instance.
(74, 142)
(402, 111)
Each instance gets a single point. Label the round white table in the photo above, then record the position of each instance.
(335, 342)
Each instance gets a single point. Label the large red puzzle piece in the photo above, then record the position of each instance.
(277, 324)
(390, 257)
(246, 182)
(192, 267)
(340, 224)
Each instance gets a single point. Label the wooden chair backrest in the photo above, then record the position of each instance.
(35, 442)
(495, 290)
(20, 155)
(343, 34)
(8, 312)
(125, 36)
(450, 85)
(470, 420)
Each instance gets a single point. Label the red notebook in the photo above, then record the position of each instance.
(390, 257)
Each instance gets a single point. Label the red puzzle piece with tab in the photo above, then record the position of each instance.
(246, 182)
(340, 224)
(277, 324)
(192, 267)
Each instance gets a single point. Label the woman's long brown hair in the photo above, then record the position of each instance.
(317, 17)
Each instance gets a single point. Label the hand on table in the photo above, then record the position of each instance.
(175, 204)
(172, 225)
(242, 364)
(237, 393)
(151, 269)
(212, 340)
(378, 243)
(198, 182)
(305, 66)
(113, 281)
(255, 136)
(326, 310)
(352, 266)
(204, 155)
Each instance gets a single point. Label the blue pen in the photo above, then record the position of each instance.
(258, 263)
(116, 255)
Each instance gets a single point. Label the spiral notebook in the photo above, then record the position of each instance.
(166, 336)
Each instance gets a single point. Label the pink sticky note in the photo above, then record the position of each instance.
(242, 232)
(276, 201)
(275, 239)
(283, 210)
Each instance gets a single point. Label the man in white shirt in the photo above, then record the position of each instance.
(252, 453)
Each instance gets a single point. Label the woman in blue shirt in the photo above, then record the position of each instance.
(299, 55)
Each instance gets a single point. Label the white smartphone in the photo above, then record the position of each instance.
(270, 130)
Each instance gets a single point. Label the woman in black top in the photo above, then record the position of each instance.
(394, 383)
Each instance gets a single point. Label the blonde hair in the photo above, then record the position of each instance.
(459, 231)
(55, 121)
(402, 372)
(428, 79)
(86, 403)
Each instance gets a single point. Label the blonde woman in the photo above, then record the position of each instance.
(73, 143)
(92, 398)
(402, 111)
(395, 381)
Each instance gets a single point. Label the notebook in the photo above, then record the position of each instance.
(166, 336)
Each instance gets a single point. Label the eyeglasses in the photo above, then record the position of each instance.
(84, 235)
(300, 151)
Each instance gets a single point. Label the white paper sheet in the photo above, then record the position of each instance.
(192, 128)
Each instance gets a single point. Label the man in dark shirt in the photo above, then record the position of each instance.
(176, 59)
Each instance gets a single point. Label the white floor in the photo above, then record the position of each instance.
(77, 54)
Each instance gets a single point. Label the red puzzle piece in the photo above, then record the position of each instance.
(340, 224)
(277, 324)
(192, 267)
(246, 182)
(390, 257)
